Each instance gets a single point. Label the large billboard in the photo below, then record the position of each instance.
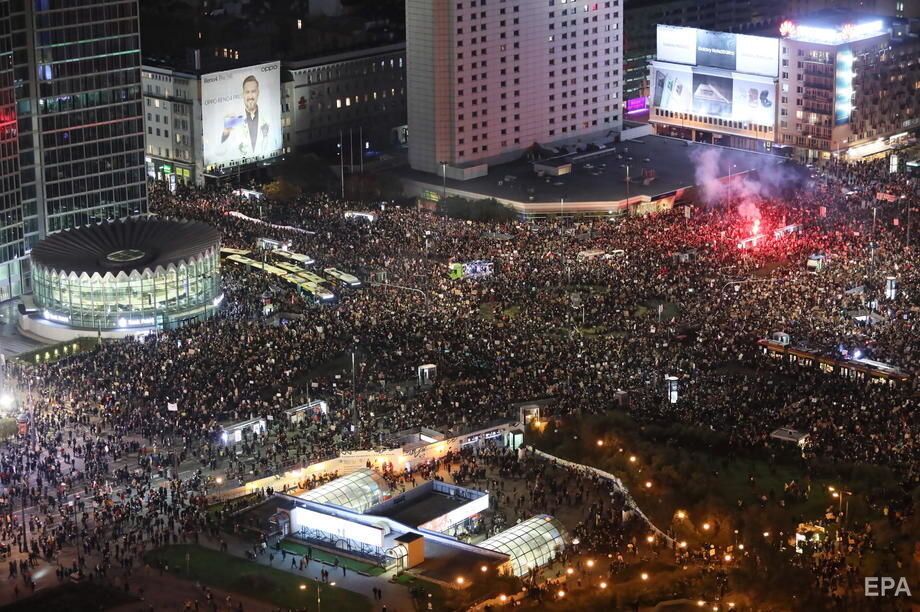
(241, 114)
(735, 52)
(672, 88)
(730, 96)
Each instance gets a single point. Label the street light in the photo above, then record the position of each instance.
(443, 179)
(644, 576)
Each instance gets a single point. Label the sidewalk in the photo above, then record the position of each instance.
(395, 596)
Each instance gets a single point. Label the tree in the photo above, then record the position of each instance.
(281, 190)
(373, 187)
(308, 171)
(8, 428)
(476, 210)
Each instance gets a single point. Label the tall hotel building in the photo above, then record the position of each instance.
(78, 114)
(487, 79)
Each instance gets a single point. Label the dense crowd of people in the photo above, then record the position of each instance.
(548, 322)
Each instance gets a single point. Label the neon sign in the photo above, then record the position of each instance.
(847, 32)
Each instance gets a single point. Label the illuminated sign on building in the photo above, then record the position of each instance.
(843, 87)
(847, 32)
(333, 525)
(737, 52)
(636, 105)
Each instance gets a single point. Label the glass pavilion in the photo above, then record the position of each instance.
(530, 544)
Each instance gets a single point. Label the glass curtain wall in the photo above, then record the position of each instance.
(139, 300)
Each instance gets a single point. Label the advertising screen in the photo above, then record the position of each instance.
(753, 101)
(671, 89)
(241, 114)
(676, 44)
(712, 96)
(302, 517)
(735, 52)
(731, 96)
(757, 55)
(715, 49)
(843, 86)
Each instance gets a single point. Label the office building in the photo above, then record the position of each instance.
(489, 79)
(11, 239)
(360, 93)
(848, 83)
(830, 83)
(78, 109)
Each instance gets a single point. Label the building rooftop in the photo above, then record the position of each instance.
(423, 509)
(600, 176)
(132, 245)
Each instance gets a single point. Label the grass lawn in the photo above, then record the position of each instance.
(83, 597)
(321, 555)
(243, 577)
(699, 478)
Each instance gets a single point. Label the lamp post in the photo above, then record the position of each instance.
(443, 179)
(627, 189)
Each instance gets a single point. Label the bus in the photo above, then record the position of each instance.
(342, 277)
(295, 258)
(255, 265)
(227, 251)
(318, 293)
(365, 216)
(856, 368)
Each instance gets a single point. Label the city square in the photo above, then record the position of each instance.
(411, 311)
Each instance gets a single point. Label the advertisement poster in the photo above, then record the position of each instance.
(757, 55)
(753, 101)
(712, 96)
(676, 44)
(241, 114)
(672, 90)
(736, 52)
(715, 49)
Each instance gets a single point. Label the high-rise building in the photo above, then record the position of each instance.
(827, 84)
(487, 79)
(848, 83)
(79, 114)
(11, 241)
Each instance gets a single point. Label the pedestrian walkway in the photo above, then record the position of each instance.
(396, 597)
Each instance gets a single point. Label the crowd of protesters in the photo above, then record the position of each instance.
(546, 323)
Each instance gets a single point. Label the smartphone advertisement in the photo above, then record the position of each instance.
(241, 114)
(730, 96)
(753, 101)
(712, 96)
(672, 90)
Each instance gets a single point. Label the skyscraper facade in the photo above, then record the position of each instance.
(79, 110)
(11, 239)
